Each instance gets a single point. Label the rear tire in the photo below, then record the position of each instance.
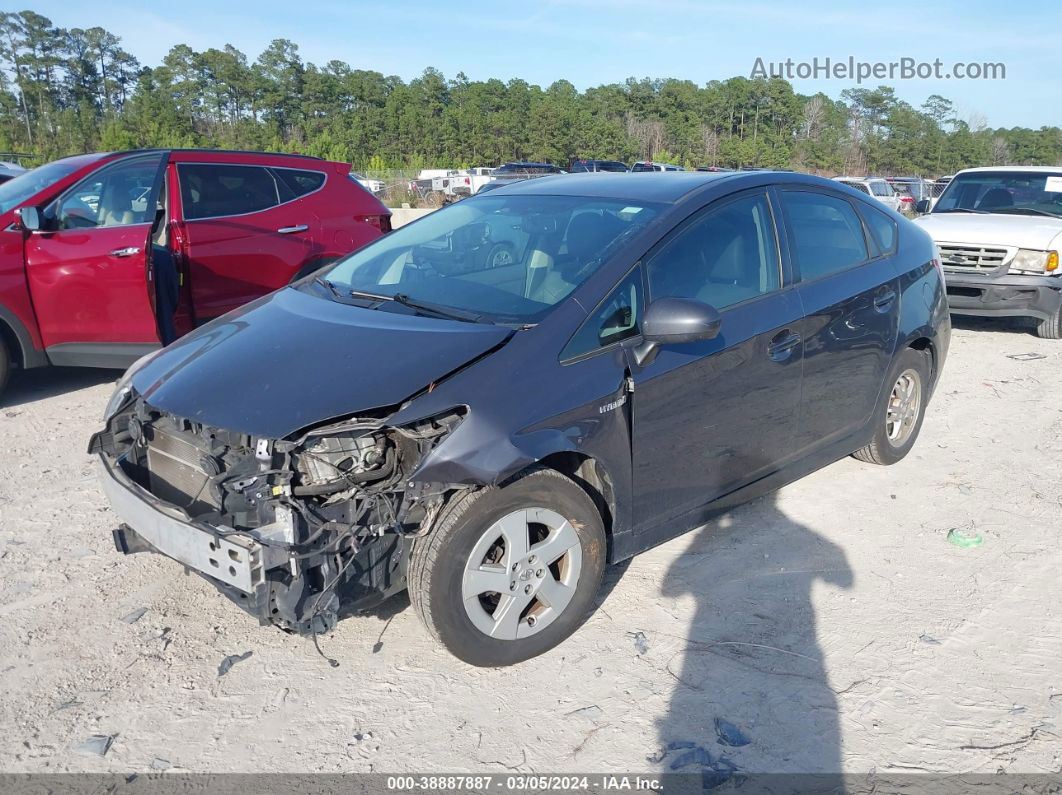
(1050, 329)
(5, 365)
(899, 418)
(509, 572)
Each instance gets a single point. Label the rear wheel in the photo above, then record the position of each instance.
(1051, 328)
(900, 419)
(510, 571)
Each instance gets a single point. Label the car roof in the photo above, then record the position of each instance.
(651, 186)
(1030, 169)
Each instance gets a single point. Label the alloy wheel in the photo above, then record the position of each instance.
(522, 573)
(904, 405)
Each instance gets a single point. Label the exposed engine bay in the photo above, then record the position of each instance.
(299, 531)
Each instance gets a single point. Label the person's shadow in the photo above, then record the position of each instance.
(751, 695)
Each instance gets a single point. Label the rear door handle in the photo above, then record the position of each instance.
(884, 301)
(782, 344)
(130, 251)
(288, 230)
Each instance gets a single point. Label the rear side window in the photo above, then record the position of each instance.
(617, 318)
(299, 182)
(882, 228)
(826, 233)
(210, 190)
(643, 167)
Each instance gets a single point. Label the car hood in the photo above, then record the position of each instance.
(293, 360)
(1015, 231)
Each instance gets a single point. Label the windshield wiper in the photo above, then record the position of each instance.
(447, 312)
(328, 286)
(1028, 210)
(962, 210)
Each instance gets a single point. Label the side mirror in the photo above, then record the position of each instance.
(922, 206)
(30, 218)
(673, 321)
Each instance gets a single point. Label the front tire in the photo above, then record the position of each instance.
(899, 420)
(511, 571)
(1051, 328)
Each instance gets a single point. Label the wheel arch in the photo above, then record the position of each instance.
(16, 338)
(925, 345)
(591, 476)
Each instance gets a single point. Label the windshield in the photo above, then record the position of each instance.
(17, 190)
(1017, 192)
(506, 259)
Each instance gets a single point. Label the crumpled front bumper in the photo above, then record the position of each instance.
(1004, 295)
(235, 564)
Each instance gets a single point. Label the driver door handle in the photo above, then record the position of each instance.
(288, 230)
(129, 251)
(782, 344)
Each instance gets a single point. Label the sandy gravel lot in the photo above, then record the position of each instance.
(833, 623)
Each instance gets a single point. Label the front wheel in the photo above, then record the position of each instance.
(900, 419)
(1051, 328)
(510, 571)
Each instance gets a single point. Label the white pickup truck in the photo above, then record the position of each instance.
(999, 231)
(460, 184)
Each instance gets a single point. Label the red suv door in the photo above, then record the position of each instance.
(88, 268)
(247, 229)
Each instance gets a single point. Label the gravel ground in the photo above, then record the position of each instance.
(833, 624)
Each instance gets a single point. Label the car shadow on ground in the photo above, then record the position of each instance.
(29, 386)
(1014, 325)
(751, 694)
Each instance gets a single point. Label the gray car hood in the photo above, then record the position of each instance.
(292, 360)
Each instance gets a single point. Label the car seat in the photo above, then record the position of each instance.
(994, 198)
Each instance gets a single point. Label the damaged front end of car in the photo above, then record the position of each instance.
(297, 531)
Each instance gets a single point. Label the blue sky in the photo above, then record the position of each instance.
(602, 41)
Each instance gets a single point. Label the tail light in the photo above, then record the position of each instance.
(381, 222)
(907, 199)
(468, 181)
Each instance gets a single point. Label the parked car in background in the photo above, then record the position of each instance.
(999, 231)
(713, 169)
(581, 165)
(489, 435)
(9, 170)
(105, 256)
(371, 185)
(910, 191)
(518, 171)
(875, 187)
(642, 166)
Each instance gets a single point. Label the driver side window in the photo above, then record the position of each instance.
(116, 195)
(617, 318)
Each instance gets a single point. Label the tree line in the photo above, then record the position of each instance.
(64, 91)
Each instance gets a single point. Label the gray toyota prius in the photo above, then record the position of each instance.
(489, 405)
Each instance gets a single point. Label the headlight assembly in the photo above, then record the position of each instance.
(1033, 261)
(124, 386)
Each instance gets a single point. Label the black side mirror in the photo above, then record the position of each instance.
(673, 321)
(922, 206)
(29, 218)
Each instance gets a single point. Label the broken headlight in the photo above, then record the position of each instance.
(124, 386)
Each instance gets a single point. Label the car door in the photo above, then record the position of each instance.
(89, 267)
(245, 233)
(850, 292)
(711, 416)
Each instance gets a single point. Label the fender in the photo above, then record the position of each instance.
(29, 355)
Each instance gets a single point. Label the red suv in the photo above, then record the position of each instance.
(104, 257)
